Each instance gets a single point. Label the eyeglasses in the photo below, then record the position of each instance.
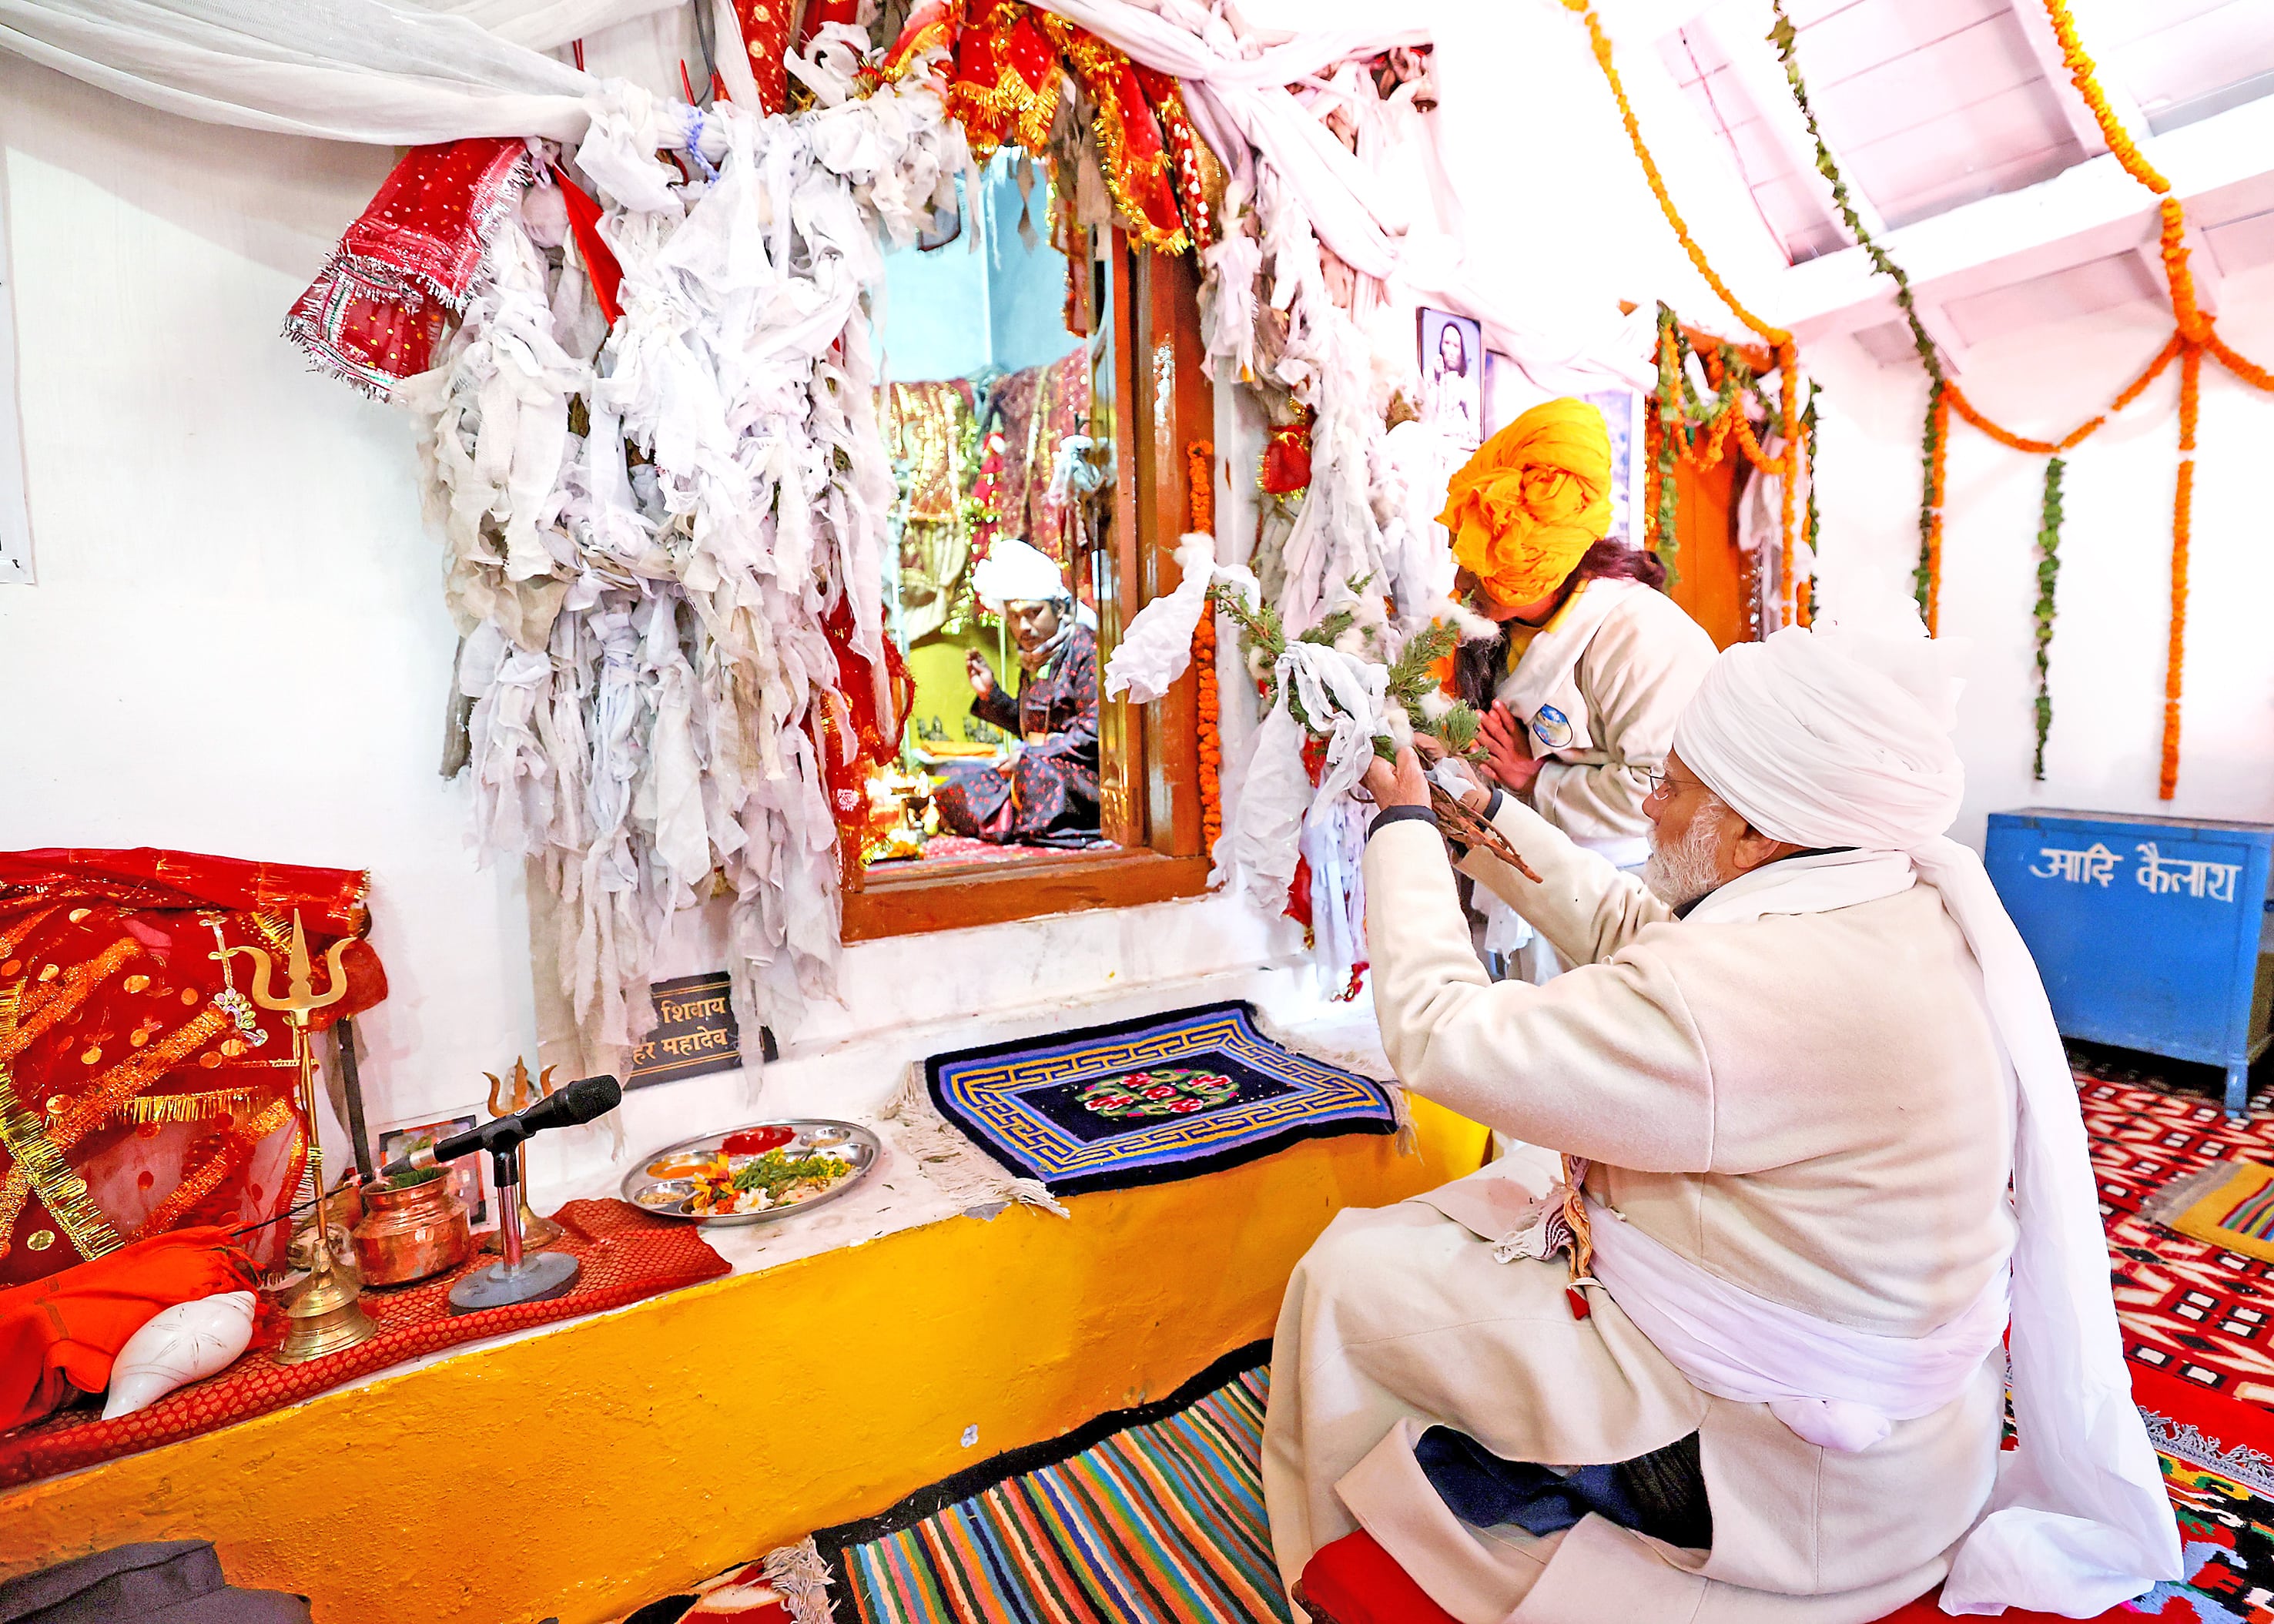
(1659, 782)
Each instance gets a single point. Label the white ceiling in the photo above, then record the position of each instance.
(1932, 105)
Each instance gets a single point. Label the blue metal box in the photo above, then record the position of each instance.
(2149, 931)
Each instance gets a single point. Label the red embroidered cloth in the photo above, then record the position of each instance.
(373, 313)
(140, 1088)
(1003, 77)
(627, 1255)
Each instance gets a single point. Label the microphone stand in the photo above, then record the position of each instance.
(518, 1276)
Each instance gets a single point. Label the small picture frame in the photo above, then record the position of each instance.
(465, 1174)
(1621, 410)
(1452, 357)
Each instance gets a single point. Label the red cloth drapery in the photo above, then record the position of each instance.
(141, 1090)
(765, 26)
(1003, 78)
(61, 1334)
(373, 313)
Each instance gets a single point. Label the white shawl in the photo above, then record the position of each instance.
(1840, 738)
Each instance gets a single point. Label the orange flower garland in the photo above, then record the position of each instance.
(1786, 464)
(1653, 435)
(1200, 519)
(2182, 517)
(1938, 433)
(2082, 74)
(2193, 332)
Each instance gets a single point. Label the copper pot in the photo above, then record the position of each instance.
(411, 1234)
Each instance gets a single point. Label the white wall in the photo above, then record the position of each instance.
(238, 642)
(2115, 550)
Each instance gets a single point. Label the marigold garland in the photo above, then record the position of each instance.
(2049, 523)
(1786, 464)
(2085, 76)
(2193, 332)
(2182, 518)
(1200, 519)
(1926, 580)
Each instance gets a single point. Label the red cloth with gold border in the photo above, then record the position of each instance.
(140, 1088)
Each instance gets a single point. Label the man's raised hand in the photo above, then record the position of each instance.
(1402, 785)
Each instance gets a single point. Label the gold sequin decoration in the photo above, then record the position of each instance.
(136, 984)
(93, 1056)
(39, 1240)
(52, 1000)
(39, 1162)
(105, 1093)
(76, 914)
(157, 1108)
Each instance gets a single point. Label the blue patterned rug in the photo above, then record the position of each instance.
(1146, 1102)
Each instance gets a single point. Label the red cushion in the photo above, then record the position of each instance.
(1354, 1581)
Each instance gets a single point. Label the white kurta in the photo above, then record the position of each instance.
(1598, 691)
(1812, 1107)
(1600, 688)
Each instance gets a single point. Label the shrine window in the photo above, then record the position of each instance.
(1037, 386)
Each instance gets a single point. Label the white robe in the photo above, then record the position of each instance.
(1813, 1107)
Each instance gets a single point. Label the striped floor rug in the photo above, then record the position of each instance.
(1153, 1517)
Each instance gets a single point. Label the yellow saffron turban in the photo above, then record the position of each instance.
(1534, 498)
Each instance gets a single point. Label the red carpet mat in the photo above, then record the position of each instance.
(2188, 1308)
(627, 1255)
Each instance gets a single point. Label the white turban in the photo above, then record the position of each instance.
(1842, 739)
(1830, 738)
(1014, 572)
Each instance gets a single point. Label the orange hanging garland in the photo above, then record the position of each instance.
(2182, 518)
(1937, 460)
(1200, 519)
(1786, 463)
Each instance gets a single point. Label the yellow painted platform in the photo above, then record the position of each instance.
(576, 1474)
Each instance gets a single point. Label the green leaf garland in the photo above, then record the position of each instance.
(1807, 443)
(2049, 523)
(1930, 493)
(1785, 37)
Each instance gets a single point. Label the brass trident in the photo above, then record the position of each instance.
(299, 1000)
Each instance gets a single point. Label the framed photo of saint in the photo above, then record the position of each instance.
(1452, 364)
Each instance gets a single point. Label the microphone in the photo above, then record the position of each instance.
(580, 1102)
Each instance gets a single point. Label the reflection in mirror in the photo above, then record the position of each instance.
(992, 354)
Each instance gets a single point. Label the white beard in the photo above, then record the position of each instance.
(1681, 872)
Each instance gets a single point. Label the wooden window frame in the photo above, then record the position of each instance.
(1149, 754)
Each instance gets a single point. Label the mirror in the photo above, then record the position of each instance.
(993, 369)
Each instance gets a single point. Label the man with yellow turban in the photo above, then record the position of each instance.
(1593, 663)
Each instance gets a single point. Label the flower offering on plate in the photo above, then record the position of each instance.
(751, 1174)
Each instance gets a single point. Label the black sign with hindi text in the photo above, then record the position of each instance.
(693, 1034)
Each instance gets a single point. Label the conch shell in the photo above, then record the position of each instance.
(179, 1345)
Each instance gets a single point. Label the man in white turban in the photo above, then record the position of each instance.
(1803, 1056)
(1045, 792)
